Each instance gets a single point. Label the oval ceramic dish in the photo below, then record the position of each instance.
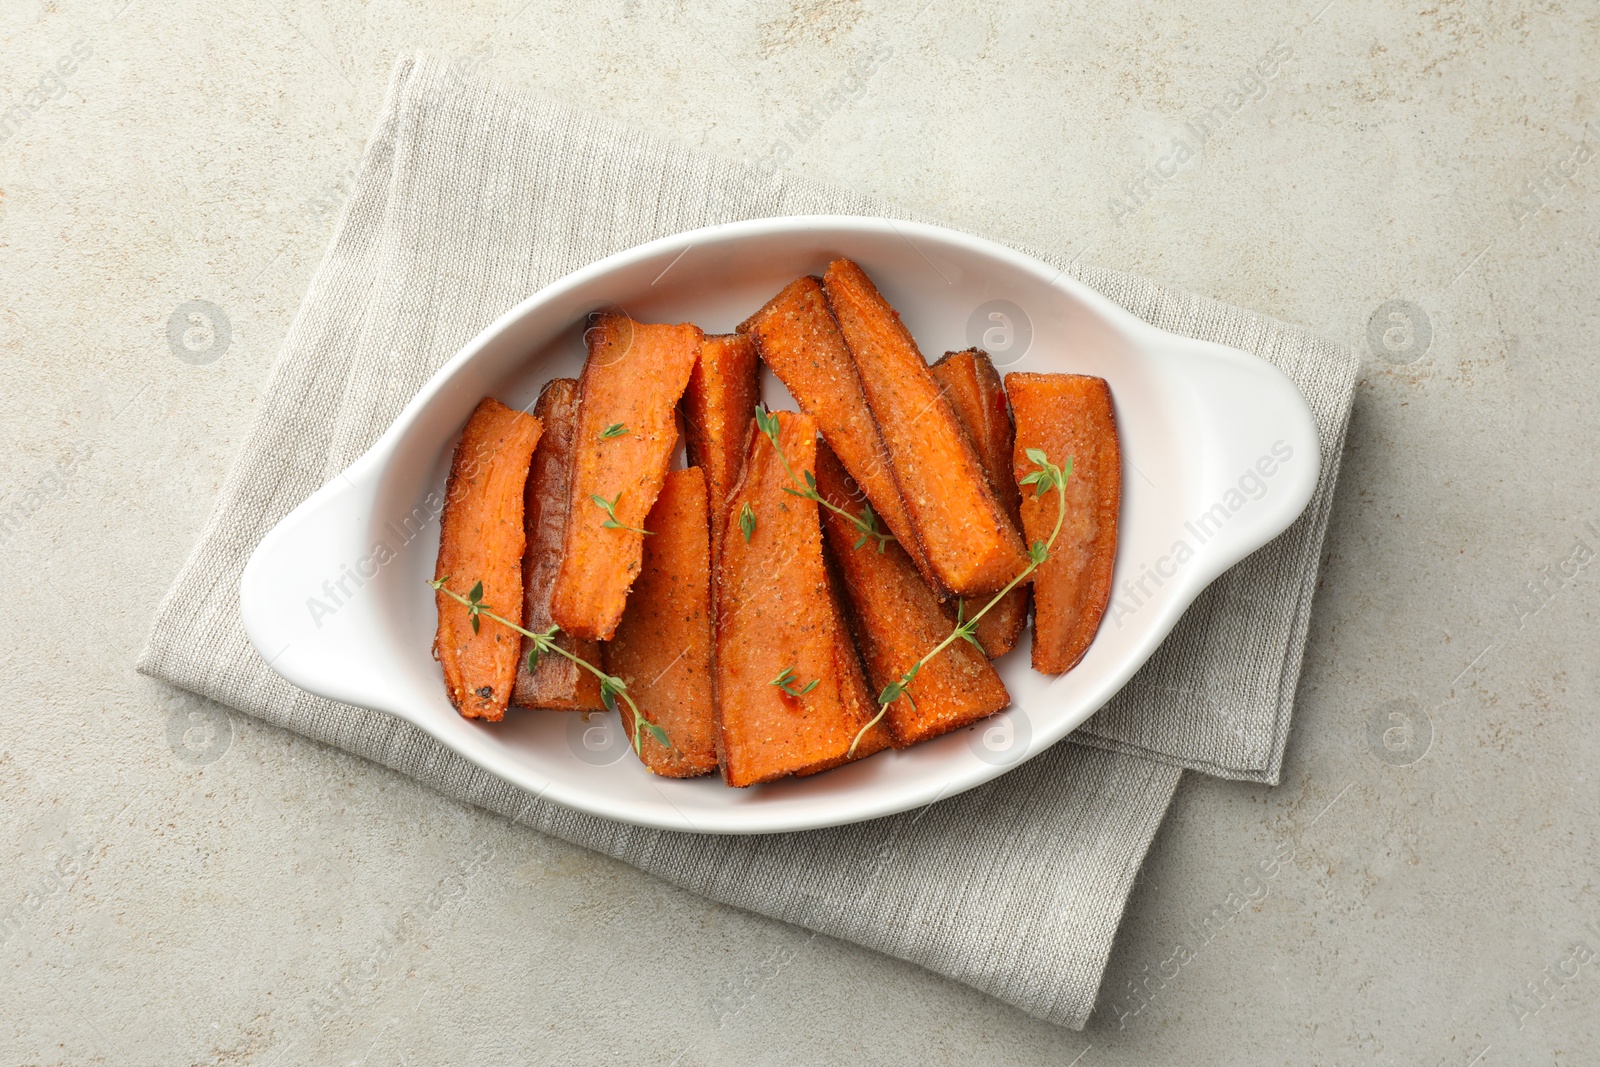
(1194, 417)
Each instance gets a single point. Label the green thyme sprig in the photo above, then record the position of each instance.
(611, 686)
(1046, 477)
(866, 523)
(747, 521)
(616, 429)
(610, 508)
(786, 682)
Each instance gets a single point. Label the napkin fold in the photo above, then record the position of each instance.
(470, 197)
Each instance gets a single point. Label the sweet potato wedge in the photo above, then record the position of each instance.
(1069, 415)
(481, 540)
(723, 389)
(789, 700)
(898, 620)
(972, 386)
(662, 647)
(969, 541)
(859, 702)
(627, 401)
(557, 683)
(797, 337)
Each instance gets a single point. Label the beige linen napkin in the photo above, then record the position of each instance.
(471, 197)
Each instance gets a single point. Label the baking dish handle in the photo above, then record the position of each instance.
(309, 596)
(1255, 452)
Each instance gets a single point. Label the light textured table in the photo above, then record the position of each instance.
(182, 885)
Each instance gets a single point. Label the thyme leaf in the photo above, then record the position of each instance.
(1045, 478)
(544, 642)
(610, 508)
(866, 523)
(786, 682)
(967, 629)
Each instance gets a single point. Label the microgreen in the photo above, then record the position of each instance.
(866, 523)
(610, 508)
(747, 521)
(611, 686)
(786, 682)
(1046, 477)
(616, 429)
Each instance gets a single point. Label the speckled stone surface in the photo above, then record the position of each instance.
(183, 885)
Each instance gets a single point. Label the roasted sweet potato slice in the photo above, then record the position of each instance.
(557, 682)
(898, 620)
(969, 541)
(481, 540)
(973, 388)
(1069, 416)
(786, 699)
(859, 702)
(797, 337)
(723, 390)
(662, 647)
(627, 399)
